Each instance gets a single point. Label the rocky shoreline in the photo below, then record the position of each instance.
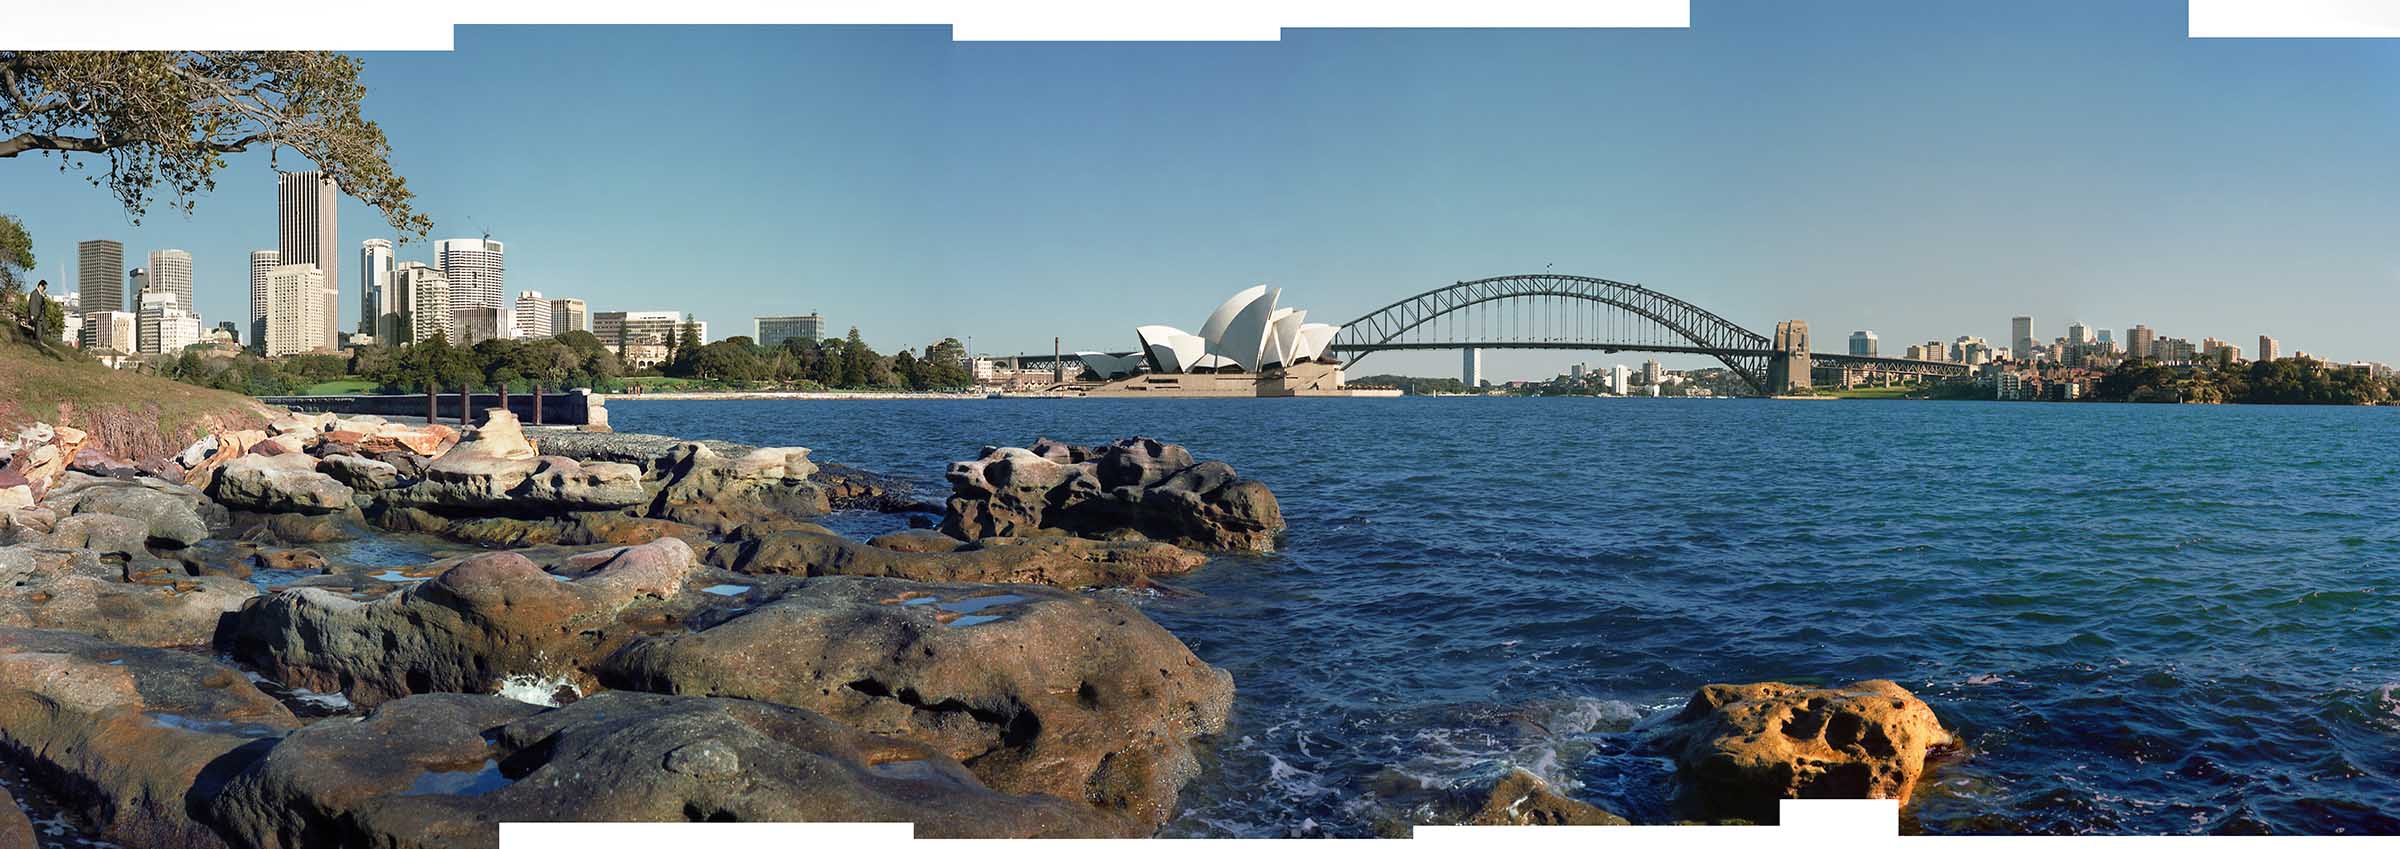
(633, 627)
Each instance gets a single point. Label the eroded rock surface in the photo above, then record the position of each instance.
(443, 770)
(1052, 561)
(1035, 690)
(77, 590)
(1739, 748)
(1141, 485)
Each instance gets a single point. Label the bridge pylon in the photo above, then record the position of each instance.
(1788, 368)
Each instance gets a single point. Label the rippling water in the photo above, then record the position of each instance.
(2141, 619)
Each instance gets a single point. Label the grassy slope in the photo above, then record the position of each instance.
(130, 415)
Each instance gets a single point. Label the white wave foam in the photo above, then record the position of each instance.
(537, 690)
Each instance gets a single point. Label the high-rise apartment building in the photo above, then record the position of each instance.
(2020, 336)
(295, 309)
(2079, 333)
(1653, 372)
(1620, 380)
(171, 271)
(307, 233)
(422, 308)
(532, 315)
(137, 283)
(163, 326)
(770, 330)
(476, 269)
(376, 300)
(2139, 340)
(568, 315)
(1471, 369)
(2268, 348)
(261, 262)
(1862, 343)
(99, 279)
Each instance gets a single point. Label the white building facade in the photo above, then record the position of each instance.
(295, 310)
(532, 316)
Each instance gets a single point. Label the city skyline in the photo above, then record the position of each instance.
(2073, 164)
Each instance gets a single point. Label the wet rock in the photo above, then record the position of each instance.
(916, 542)
(444, 770)
(286, 483)
(360, 473)
(1739, 748)
(1141, 485)
(1034, 689)
(138, 735)
(487, 618)
(298, 528)
(579, 528)
(1051, 561)
(74, 590)
(289, 560)
(1522, 798)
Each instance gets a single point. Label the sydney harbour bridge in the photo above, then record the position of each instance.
(1568, 312)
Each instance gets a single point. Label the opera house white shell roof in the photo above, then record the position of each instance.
(1248, 332)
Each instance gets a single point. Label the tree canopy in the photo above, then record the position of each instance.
(163, 121)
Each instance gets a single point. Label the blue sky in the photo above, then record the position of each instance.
(1922, 169)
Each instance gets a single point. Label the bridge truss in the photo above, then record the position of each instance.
(1555, 311)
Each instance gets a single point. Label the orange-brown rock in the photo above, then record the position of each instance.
(1522, 798)
(1739, 748)
(1054, 561)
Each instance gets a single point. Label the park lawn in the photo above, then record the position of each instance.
(662, 384)
(340, 387)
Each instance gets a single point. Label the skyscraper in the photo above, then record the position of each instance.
(1862, 343)
(476, 269)
(375, 295)
(99, 276)
(2020, 336)
(2079, 333)
(423, 303)
(306, 234)
(1472, 368)
(2268, 348)
(295, 309)
(2138, 341)
(533, 315)
(171, 271)
(261, 262)
(567, 315)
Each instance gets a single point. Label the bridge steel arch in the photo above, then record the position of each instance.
(1598, 314)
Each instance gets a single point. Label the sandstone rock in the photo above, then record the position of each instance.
(570, 485)
(279, 484)
(774, 464)
(1036, 690)
(141, 736)
(102, 533)
(281, 444)
(576, 528)
(1739, 748)
(199, 450)
(301, 423)
(1051, 561)
(15, 495)
(1522, 798)
(167, 513)
(298, 528)
(916, 542)
(16, 829)
(440, 771)
(704, 489)
(1140, 485)
(77, 591)
(289, 560)
(481, 621)
(92, 461)
(428, 441)
(360, 473)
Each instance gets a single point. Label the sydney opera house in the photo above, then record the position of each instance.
(1250, 345)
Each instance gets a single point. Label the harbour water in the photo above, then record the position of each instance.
(2140, 619)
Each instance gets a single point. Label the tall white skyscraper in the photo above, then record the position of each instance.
(1471, 368)
(476, 269)
(261, 262)
(375, 295)
(533, 315)
(295, 309)
(171, 271)
(307, 233)
(423, 304)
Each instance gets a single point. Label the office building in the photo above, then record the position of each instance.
(477, 271)
(109, 331)
(421, 305)
(164, 326)
(295, 310)
(376, 298)
(2020, 336)
(532, 316)
(568, 315)
(171, 271)
(2079, 333)
(469, 325)
(99, 278)
(1620, 380)
(1653, 373)
(137, 284)
(770, 330)
(1472, 369)
(2268, 348)
(2139, 340)
(1862, 343)
(307, 233)
(261, 262)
